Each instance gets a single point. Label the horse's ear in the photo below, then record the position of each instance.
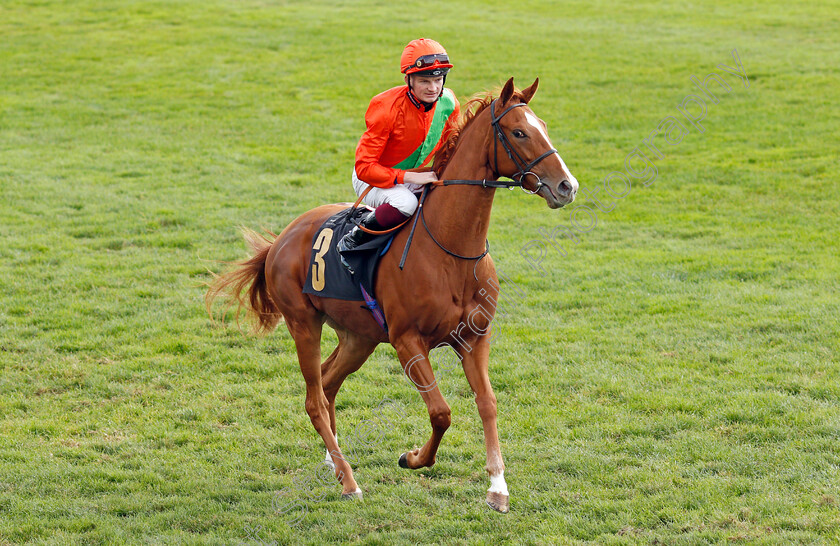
(528, 92)
(507, 92)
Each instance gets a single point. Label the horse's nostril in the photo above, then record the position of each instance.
(565, 187)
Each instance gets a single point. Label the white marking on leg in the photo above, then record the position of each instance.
(498, 485)
(328, 460)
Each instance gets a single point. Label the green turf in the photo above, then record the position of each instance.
(674, 379)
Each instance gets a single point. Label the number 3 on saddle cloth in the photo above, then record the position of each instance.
(329, 278)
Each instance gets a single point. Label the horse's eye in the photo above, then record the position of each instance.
(518, 134)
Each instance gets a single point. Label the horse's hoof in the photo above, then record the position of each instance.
(403, 461)
(355, 495)
(498, 502)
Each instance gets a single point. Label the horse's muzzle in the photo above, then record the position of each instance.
(561, 195)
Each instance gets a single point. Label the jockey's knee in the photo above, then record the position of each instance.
(406, 203)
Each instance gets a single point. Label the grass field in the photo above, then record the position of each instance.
(674, 379)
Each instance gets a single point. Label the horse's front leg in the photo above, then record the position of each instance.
(414, 358)
(476, 363)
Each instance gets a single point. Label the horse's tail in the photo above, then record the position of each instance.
(246, 286)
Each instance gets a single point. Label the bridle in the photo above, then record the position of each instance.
(518, 160)
(517, 181)
(523, 166)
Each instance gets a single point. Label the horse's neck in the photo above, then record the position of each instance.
(459, 216)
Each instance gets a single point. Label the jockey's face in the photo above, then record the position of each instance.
(426, 88)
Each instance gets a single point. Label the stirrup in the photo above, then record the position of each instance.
(345, 264)
(348, 241)
(343, 244)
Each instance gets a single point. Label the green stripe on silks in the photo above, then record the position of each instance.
(443, 109)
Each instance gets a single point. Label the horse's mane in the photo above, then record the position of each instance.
(469, 112)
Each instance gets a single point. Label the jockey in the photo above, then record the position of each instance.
(405, 127)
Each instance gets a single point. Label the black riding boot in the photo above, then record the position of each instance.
(356, 236)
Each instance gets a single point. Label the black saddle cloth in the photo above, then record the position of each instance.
(327, 277)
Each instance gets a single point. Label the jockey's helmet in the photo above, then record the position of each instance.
(424, 57)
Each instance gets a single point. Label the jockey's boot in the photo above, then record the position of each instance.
(358, 237)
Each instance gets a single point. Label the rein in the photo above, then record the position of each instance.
(432, 237)
(454, 254)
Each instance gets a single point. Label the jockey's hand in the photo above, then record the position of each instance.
(420, 178)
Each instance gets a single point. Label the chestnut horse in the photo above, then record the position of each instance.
(445, 295)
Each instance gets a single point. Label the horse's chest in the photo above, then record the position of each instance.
(460, 322)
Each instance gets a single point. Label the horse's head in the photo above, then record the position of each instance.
(522, 150)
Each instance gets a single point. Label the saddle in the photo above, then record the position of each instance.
(327, 277)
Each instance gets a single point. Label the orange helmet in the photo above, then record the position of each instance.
(426, 57)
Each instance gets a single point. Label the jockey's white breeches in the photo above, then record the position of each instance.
(401, 196)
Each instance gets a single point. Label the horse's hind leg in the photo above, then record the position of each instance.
(352, 351)
(415, 362)
(307, 335)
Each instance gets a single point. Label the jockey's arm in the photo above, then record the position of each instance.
(371, 146)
